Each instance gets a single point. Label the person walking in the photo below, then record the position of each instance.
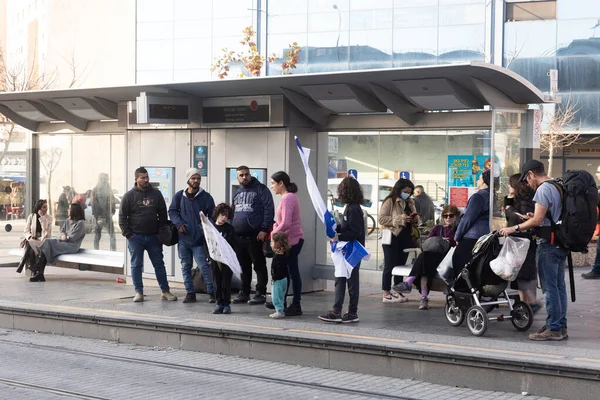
(62, 207)
(221, 273)
(103, 209)
(279, 272)
(143, 211)
(184, 212)
(252, 220)
(349, 192)
(550, 256)
(398, 214)
(288, 221)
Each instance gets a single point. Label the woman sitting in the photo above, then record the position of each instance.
(71, 236)
(425, 266)
(37, 228)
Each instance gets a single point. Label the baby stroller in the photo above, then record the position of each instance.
(478, 290)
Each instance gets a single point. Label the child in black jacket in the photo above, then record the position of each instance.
(222, 273)
(279, 272)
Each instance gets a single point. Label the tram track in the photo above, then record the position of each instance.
(179, 367)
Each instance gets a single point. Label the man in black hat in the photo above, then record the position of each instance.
(550, 256)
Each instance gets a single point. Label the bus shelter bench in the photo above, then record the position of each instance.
(87, 260)
(438, 285)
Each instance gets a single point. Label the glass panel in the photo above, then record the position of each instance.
(192, 9)
(155, 30)
(416, 17)
(529, 39)
(279, 44)
(193, 29)
(327, 5)
(70, 172)
(233, 9)
(281, 7)
(328, 22)
(154, 10)
(577, 9)
(155, 55)
(507, 133)
(225, 27)
(461, 43)
(327, 51)
(370, 4)
(576, 37)
(371, 49)
(462, 14)
(414, 3)
(165, 76)
(408, 52)
(189, 54)
(287, 23)
(370, 19)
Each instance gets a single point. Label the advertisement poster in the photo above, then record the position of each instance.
(459, 196)
(201, 159)
(464, 170)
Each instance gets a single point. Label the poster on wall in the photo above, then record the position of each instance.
(465, 170)
(201, 159)
(459, 196)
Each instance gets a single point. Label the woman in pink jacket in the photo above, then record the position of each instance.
(289, 221)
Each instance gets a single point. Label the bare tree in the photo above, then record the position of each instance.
(49, 159)
(250, 58)
(562, 130)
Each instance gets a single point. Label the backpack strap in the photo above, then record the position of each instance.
(553, 226)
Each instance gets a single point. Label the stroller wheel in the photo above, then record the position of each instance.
(522, 316)
(454, 314)
(477, 320)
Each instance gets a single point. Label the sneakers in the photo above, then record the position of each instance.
(402, 287)
(226, 310)
(349, 318)
(545, 334)
(270, 305)
(331, 317)
(166, 295)
(219, 309)
(277, 315)
(211, 298)
(424, 303)
(190, 298)
(258, 299)
(565, 333)
(242, 298)
(591, 275)
(393, 298)
(293, 311)
(138, 298)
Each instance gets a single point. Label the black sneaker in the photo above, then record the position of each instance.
(591, 275)
(190, 298)
(212, 299)
(219, 309)
(258, 299)
(330, 316)
(293, 311)
(349, 318)
(270, 305)
(242, 298)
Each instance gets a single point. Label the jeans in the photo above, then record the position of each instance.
(393, 256)
(278, 290)
(110, 227)
(551, 265)
(596, 267)
(222, 283)
(294, 273)
(187, 254)
(249, 251)
(353, 291)
(137, 244)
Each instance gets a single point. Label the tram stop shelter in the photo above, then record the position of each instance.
(219, 125)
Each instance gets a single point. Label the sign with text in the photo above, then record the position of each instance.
(236, 111)
(464, 170)
(201, 159)
(459, 196)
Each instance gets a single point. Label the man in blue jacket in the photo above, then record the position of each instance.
(253, 219)
(184, 212)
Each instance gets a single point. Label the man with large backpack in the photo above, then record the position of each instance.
(564, 221)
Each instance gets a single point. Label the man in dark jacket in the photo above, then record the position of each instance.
(184, 212)
(103, 209)
(424, 204)
(143, 211)
(253, 219)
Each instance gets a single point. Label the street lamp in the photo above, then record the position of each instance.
(337, 43)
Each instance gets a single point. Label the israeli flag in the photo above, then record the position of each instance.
(345, 255)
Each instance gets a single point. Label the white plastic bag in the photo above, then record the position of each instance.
(386, 237)
(511, 258)
(445, 269)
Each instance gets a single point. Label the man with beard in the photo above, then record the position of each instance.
(253, 219)
(143, 211)
(103, 209)
(185, 214)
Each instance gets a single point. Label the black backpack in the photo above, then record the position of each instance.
(577, 223)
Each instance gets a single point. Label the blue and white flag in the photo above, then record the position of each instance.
(345, 255)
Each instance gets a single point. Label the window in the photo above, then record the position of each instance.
(530, 11)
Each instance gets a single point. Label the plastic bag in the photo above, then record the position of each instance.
(511, 258)
(445, 269)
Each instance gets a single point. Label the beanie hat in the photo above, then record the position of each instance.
(191, 172)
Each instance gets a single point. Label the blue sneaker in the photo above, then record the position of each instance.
(219, 309)
(226, 310)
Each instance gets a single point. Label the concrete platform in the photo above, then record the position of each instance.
(392, 339)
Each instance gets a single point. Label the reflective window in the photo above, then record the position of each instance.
(192, 75)
(371, 49)
(579, 73)
(155, 55)
(327, 51)
(370, 4)
(577, 9)
(318, 6)
(155, 30)
(416, 17)
(193, 29)
(287, 23)
(370, 19)
(192, 9)
(461, 42)
(414, 3)
(535, 70)
(185, 57)
(576, 37)
(462, 14)
(154, 10)
(281, 7)
(279, 44)
(328, 22)
(529, 39)
(233, 9)
(231, 27)
(409, 52)
(144, 77)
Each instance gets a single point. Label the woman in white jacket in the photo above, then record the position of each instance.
(37, 228)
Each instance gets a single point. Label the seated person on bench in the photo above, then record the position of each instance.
(71, 235)
(425, 266)
(37, 228)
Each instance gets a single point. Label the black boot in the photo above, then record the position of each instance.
(37, 270)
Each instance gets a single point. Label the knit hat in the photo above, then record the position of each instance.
(191, 172)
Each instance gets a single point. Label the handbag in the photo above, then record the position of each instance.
(436, 244)
(168, 234)
(386, 237)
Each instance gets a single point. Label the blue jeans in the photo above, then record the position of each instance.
(278, 293)
(551, 265)
(137, 244)
(596, 267)
(187, 254)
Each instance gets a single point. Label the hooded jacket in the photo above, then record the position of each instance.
(142, 212)
(184, 210)
(253, 209)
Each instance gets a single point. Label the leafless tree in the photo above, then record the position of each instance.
(49, 159)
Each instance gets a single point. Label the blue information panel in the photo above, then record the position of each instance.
(201, 159)
(404, 175)
(353, 172)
